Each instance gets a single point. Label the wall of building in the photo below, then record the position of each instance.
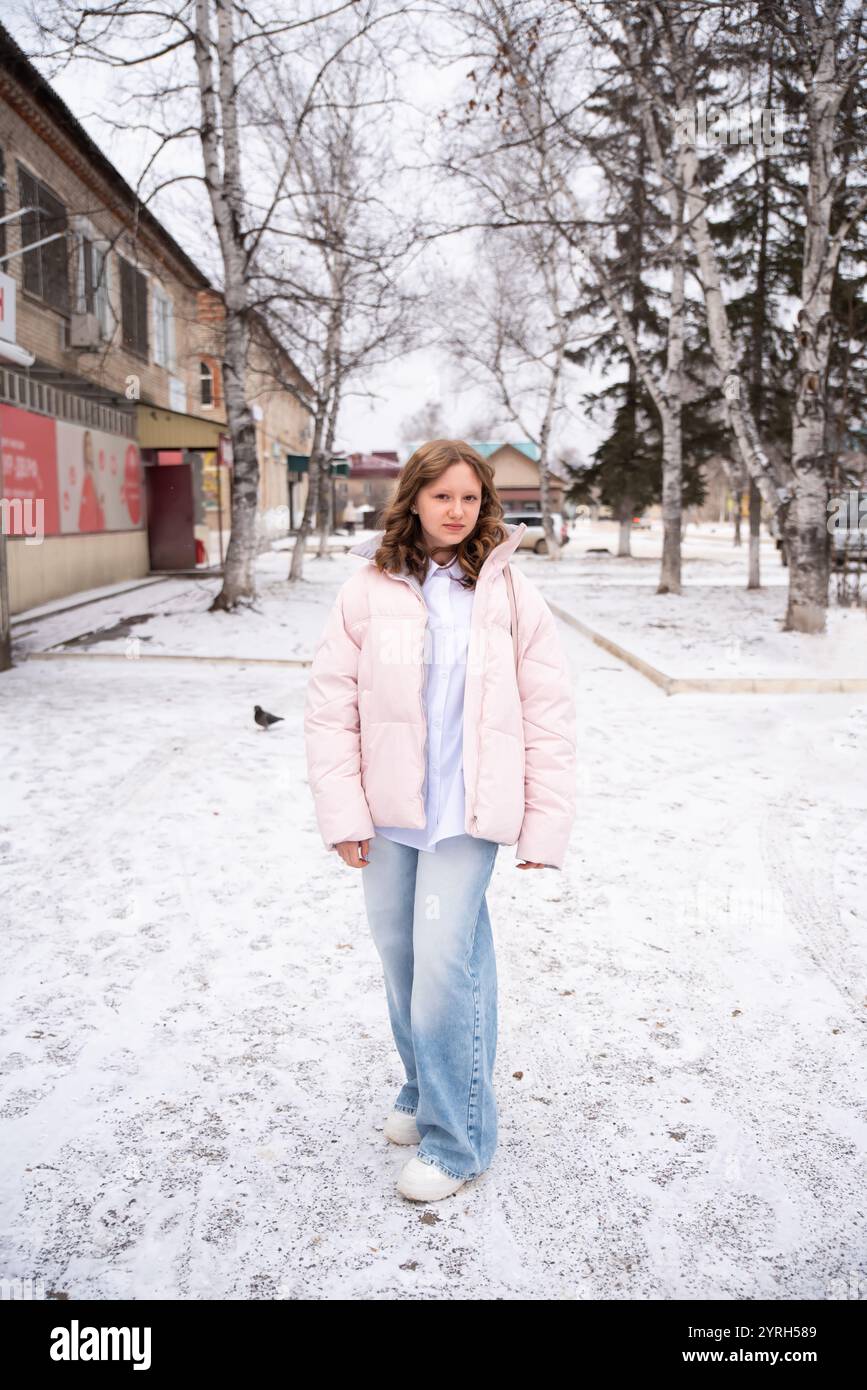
(517, 479)
(63, 565)
(93, 208)
(97, 538)
(283, 423)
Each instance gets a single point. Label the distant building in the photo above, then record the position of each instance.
(516, 474)
(369, 485)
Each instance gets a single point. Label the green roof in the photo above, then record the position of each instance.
(486, 447)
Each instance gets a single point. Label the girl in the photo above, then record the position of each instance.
(439, 724)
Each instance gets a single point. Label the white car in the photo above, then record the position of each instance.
(534, 536)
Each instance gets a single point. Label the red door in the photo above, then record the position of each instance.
(171, 540)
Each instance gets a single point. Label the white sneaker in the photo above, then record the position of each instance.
(422, 1182)
(401, 1128)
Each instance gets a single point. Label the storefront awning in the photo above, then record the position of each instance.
(169, 429)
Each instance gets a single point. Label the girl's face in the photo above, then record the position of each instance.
(448, 508)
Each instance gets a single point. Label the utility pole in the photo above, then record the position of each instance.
(5, 638)
(5, 633)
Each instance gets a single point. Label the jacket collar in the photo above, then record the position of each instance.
(496, 560)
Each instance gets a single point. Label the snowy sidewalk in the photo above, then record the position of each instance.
(196, 1058)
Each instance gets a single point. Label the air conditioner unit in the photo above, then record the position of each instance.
(84, 331)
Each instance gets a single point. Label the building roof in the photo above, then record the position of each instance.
(382, 464)
(486, 447)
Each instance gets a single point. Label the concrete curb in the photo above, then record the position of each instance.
(165, 656)
(716, 685)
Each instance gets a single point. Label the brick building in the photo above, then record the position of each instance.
(112, 412)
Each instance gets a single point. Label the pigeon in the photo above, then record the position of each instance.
(264, 719)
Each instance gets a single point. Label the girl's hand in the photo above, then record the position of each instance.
(348, 851)
(530, 865)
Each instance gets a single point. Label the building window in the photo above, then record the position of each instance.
(101, 296)
(46, 271)
(164, 329)
(133, 308)
(91, 283)
(206, 384)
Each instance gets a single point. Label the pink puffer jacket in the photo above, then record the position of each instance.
(364, 719)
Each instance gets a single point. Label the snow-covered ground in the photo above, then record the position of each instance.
(716, 626)
(195, 1052)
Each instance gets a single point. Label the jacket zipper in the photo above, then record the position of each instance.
(404, 578)
(479, 742)
(475, 818)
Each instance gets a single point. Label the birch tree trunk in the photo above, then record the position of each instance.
(799, 503)
(311, 502)
(669, 400)
(754, 576)
(677, 37)
(326, 487)
(739, 416)
(829, 70)
(555, 550)
(672, 423)
(219, 134)
(806, 519)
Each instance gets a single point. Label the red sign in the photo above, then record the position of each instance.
(131, 486)
(30, 461)
(87, 480)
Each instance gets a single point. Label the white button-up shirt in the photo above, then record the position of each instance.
(450, 609)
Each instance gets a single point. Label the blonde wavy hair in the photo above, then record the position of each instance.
(402, 547)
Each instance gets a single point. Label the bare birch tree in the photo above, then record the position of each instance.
(333, 281)
(829, 41)
(687, 56)
(829, 44)
(526, 50)
(202, 63)
(507, 332)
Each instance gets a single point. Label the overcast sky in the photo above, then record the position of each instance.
(398, 390)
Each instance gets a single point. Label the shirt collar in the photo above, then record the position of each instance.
(453, 568)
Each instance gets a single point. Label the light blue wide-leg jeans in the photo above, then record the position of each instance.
(430, 925)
